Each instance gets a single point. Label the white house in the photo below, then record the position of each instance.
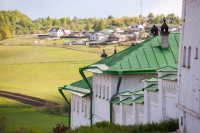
(189, 68)
(137, 85)
(97, 37)
(56, 32)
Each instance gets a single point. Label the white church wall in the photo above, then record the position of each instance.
(189, 67)
(154, 112)
(129, 82)
(116, 113)
(80, 111)
(101, 97)
(128, 114)
(170, 93)
(139, 113)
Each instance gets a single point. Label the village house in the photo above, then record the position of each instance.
(97, 37)
(116, 37)
(56, 32)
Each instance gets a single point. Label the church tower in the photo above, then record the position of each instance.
(189, 68)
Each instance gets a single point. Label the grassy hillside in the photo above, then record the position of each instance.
(39, 71)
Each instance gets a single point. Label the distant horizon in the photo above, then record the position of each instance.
(92, 8)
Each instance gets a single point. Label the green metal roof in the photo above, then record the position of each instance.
(168, 69)
(126, 93)
(127, 101)
(139, 92)
(146, 57)
(152, 79)
(152, 87)
(115, 100)
(79, 88)
(139, 99)
(169, 77)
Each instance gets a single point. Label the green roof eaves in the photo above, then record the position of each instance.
(169, 77)
(139, 99)
(127, 101)
(126, 93)
(152, 87)
(139, 92)
(152, 79)
(115, 100)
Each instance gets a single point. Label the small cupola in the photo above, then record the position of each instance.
(154, 30)
(115, 51)
(103, 55)
(164, 35)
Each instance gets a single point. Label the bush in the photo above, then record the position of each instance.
(60, 128)
(106, 127)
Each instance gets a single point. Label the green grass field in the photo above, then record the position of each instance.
(31, 118)
(39, 71)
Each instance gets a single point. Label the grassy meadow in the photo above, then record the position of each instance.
(38, 70)
(30, 118)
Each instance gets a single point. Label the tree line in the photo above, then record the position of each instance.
(19, 23)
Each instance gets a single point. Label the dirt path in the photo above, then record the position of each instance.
(38, 102)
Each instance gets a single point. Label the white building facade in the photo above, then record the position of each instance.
(189, 68)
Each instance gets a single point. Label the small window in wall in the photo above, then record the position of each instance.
(184, 56)
(103, 92)
(85, 110)
(189, 57)
(96, 90)
(82, 105)
(74, 104)
(196, 54)
(107, 93)
(77, 106)
(100, 91)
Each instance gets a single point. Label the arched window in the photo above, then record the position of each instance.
(184, 56)
(196, 54)
(189, 57)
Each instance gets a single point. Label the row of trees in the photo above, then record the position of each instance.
(19, 23)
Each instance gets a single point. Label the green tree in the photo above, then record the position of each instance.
(1, 37)
(151, 18)
(5, 32)
(63, 21)
(110, 17)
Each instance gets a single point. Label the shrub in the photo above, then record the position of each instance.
(106, 127)
(60, 128)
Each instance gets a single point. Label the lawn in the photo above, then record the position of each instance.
(31, 118)
(39, 71)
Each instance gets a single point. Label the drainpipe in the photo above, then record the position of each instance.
(69, 110)
(118, 85)
(91, 92)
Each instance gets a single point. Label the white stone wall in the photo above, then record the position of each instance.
(170, 95)
(128, 114)
(80, 111)
(139, 110)
(189, 66)
(153, 105)
(101, 97)
(116, 113)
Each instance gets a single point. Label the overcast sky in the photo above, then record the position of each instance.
(91, 8)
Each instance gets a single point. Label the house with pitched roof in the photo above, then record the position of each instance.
(136, 85)
(56, 32)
